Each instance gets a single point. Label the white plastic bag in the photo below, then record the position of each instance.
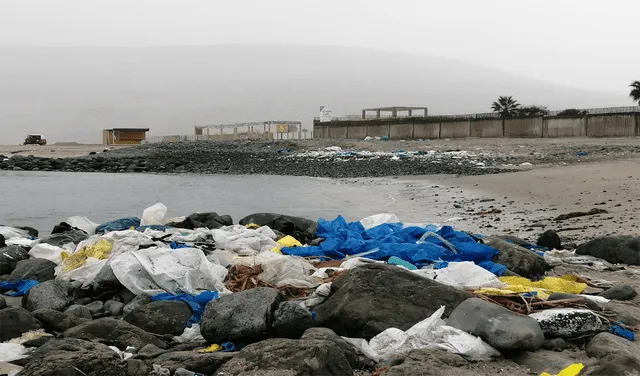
(363, 346)
(289, 271)
(12, 351)
(459, 342)
(244, 241)
(462, 275)
(155, 270)
(12, 232)
(48, 252)
(190, 335)
(154, 215)
(378, 219)
(83, 223)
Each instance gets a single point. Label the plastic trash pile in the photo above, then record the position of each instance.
(149, 255)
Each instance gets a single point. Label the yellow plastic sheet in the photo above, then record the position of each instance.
(100, 250)
(543, 288)
(211, 348)
(252, 226)
(572, 370)
(289, 241)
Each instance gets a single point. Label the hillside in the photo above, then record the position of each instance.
(70, 94)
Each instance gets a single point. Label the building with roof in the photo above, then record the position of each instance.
(124, 136)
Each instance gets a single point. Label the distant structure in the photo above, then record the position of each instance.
(252, 130)
(124, 136)
(394, 111)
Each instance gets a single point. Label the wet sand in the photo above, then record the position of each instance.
(54, 150)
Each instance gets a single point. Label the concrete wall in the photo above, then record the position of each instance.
(489, 128)
(611, 126)
(564, 127)
(529, 127)
(458, 129)
(378, 130)
(401, 131)
(429, 131)
(357, 132)
(338, 132)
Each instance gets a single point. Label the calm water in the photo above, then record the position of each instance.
(43, 199)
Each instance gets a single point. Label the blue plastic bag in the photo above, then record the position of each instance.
(118, 225)
(20, 287)
(195, 302)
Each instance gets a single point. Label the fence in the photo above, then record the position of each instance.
(305, 134)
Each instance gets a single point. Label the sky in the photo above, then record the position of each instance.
(590, 44)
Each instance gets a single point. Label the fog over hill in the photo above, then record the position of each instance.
(72, 93)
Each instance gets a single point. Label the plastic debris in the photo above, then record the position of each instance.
(211, 348)
(190, 334)
(621, 332)
(464, 275)
(195, 302)
(12, 351)
(542, 288)
(378, 219)
(118, 225)
(572, 370)
(17, 288)
(154, 215)
(289, 241)
(100, 249)
(83, 223)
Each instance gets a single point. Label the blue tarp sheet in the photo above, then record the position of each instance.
(195, 302)
(19, 287)
(118, 225)
(416, 245)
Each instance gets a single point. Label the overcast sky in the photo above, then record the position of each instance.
(591, 44)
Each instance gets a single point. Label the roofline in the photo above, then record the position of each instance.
(127, 129)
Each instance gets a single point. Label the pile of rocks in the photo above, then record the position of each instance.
(71, 326)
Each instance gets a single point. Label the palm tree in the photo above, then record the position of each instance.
(505, 106)
(635, 91)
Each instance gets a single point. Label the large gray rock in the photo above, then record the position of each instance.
(430, 362)
(300, 228)
(280, 356)
(15, 321)
(614, 249)
(51, 294)
(117, 332)
(106, 280)
(36, 268)
(203, 363)
(568, 323)
(3, 303)
(56, 321)
(60, 239)
(548, 361)
(369, 299)
(615, 356)
(496, 325)
(161, 317)
(9, 257)
(325, 334)
(73, 357)
(605, 344)
(291, 320)
(614, 364)
(96, 308)
(620, 292)
(516, 258)
(137, 302)
(625, 313)
(242, 317)
(79, 311)
(113, 308)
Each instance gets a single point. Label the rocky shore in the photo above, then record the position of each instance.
(272, 294)
(324, 158)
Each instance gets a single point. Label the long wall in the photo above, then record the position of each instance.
(619, 125)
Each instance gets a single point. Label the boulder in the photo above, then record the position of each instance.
(326, 334)
(119, 333)
(36, 268)
(366, 300)
(550, 239)
(245, 316)
(620, 292)
(568, 323)
(113, 308)
(300, 228)
(209, 220)
(137, 302)
(518, 259)
(106, 281)
(418, 362)
(614, 364)
(9, 257)
(625, 313)
(496, 325)
(202, 363)
(616, 356)
(3, 303)
(614, 249)
(15, 321)
(96, 308)
(56, 321)
(51, 294)
(73, 357)
(161, 317)
(78, 311)
(281, 356)
(291, 320)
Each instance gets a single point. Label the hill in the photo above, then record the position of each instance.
(71, 94)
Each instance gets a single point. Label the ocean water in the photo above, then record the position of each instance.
(43, 199)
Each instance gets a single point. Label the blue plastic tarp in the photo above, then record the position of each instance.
(153, 227)
(19, 287)
(416, 245)
(621, 332)
(118, 225)
(195, 302)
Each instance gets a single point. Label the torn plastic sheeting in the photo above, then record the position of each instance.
(289, 271)
(49, 252)
(342, 239)
(12, 232)
(96, 248)
(244, 241)
(154, 215)
(428, 333)
(118, 225)
(289, 241)
(464, 275)
(156, 270)
(621, 332)
(190, 334)
(83, 223)
(17, 288)
(12, 351)
(378, 219)
(565, 284)
(195, 302)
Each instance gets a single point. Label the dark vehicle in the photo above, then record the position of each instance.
(35, 139)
